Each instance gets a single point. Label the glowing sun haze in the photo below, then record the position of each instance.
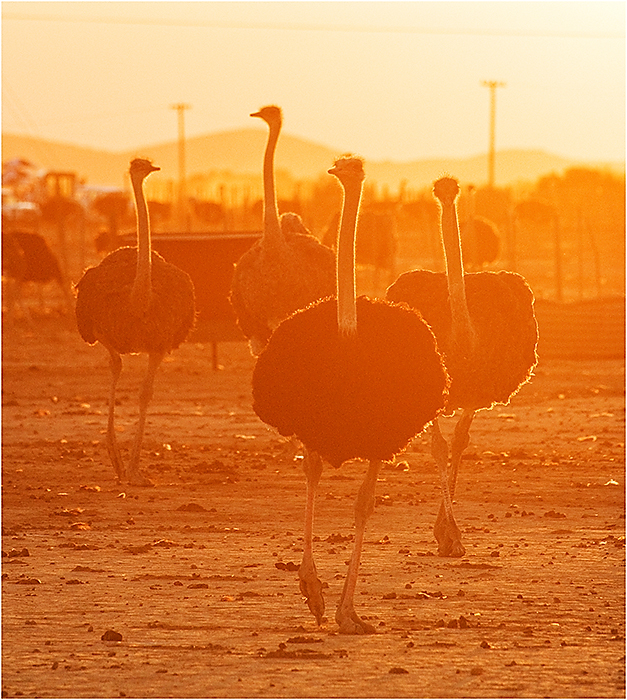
(388, 80)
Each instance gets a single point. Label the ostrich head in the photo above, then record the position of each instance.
(292, 223)
(141, 168)
(348, 168)
(270, 114)
(446, 189)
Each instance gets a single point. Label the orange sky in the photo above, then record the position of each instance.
(389, 80)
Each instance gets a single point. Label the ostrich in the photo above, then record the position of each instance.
(481, 243)
(286, 269)
(134, 301)
(27, 257)
(485, 326)
(341, 376)
(376, 242)
(480, 238)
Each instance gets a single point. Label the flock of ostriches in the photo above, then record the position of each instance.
(350, 377)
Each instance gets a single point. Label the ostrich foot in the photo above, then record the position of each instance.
(136, 478)
(118, 464)
(311, 587)
(449, 539)
(451, 548)
(350, 622)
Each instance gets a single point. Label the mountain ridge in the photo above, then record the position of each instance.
(240, 152)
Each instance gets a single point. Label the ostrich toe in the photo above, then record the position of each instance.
(449, 538)
(311, 588)
(350, 622)
(116, 461)
(139, 479)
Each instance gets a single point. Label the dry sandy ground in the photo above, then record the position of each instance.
(196, 575)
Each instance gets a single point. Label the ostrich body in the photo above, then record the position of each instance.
(341, 376)
(286, 269)
(485, 326)
(479, 237)
(40, 263)
(481, 243)
(133, 302)
(376, 242)
(27, 257)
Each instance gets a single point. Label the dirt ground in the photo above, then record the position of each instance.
(197, 574)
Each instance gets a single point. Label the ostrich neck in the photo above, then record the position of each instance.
(142, 286)
(462, 325)
(346, 294)
(271, 227)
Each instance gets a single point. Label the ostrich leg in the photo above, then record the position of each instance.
(461, 439)
(115, 363)
(446, 531)
(135, 477)
(345, 616)
(310, 584)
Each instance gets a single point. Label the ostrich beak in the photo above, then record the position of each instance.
(154, 167)
(255, 114)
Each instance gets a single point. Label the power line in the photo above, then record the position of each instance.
(100, 116)
(31, 127)
(314, 28)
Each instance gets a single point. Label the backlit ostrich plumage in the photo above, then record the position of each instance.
(27, 257)
(342, 376)
(132, 302)
(485, 326)
(286, 269)
(481, 243)
(480, 238)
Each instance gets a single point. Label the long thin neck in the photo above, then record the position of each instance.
(271, 226)
(142, 286)
(346, 290)
(462, 325)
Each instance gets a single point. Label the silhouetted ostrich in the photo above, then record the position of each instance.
(134, 301)
(485, 326)
(114, 207)
(13, 269)
(376, 242)
(342, 375)
(211, 213)
(285, 270)
(13, 258)
(481, 243)
(27, 257)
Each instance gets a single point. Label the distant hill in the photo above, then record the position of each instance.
(240, 152)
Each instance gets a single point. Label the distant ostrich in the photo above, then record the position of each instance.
(342, 375)
(211, 213)
(13, 258)
(376, 242)
(13, 269)
(286, 269)
(134, 301)
(485, 326)
(113, 206)
(27, 257)
(481, 243)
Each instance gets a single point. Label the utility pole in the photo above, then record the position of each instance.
(182, 194)
(492, 84)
